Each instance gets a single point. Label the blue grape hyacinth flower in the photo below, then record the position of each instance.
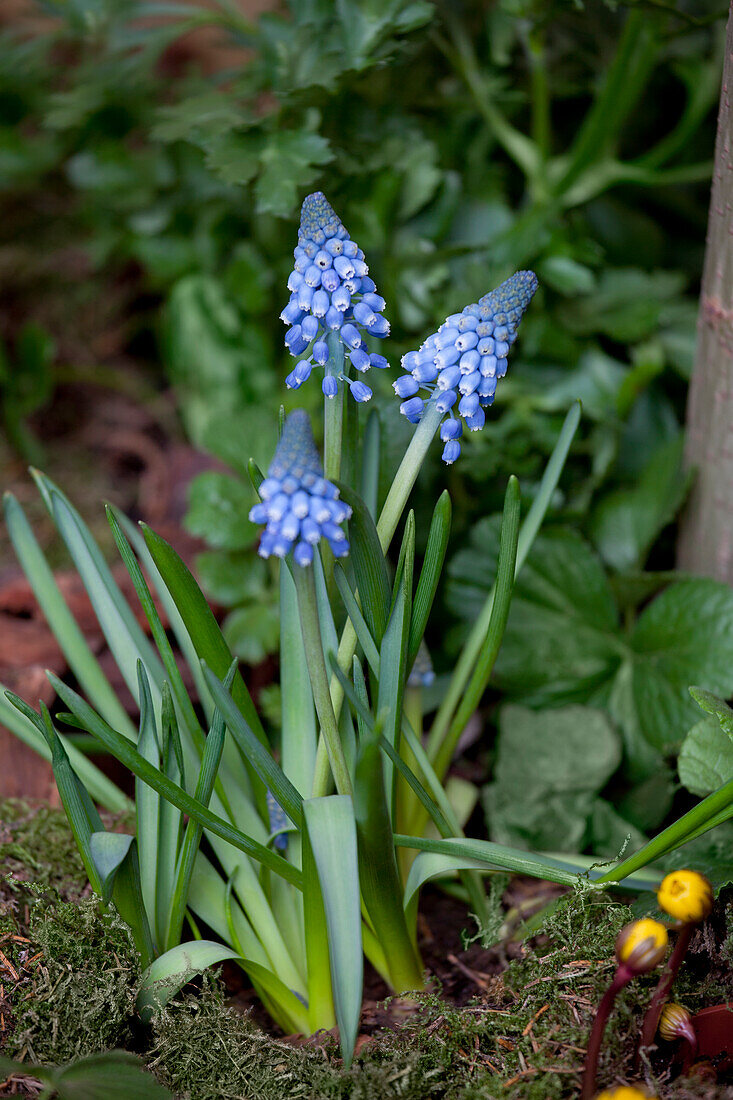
(330, 292)
(459, 366)
(299, 506)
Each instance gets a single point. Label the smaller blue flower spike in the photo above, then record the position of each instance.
(298, 506)
(330, 291)
(460, 364)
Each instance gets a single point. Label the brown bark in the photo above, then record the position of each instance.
(706, 535)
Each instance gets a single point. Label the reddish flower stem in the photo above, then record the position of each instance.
(651, 1020)
(621, 978)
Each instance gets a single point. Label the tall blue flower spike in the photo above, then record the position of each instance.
(299, 506)
(330, 291)
(460, 364)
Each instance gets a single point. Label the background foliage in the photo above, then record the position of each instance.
(576, 140)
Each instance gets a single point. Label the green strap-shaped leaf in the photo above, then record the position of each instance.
(299, 733)
(370, 567)
(262, 762)
(458, 853)
(321, 1012)
(126, 639)
(123, 751)
(100, 788)
(430, 573)
(378, 874)
(147, 799)
(393, 652)
(332, 835)
(81, 660)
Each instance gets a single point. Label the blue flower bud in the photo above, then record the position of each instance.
(368, 286)
(469, 361)
(487, 366)
(359, 391)
(466, 341)
(320, 352)
(501, 365)
(487, 386)
(344, 266)
(330, 280)
(330, 386)
(309, 327)
(323, 259)
(364, 315)
(292, 312)
(351, 335)
(341, 299)
(413, 409)
(374, 301)
(298, 505)
(313, 276)
(468, 405)
(295, 279)
(360, 359)
(451, 451)
(448, 378)
(334, 318)
(425, 372)
(451, 429)
(469, 382)
(378, 361)
(302, 370)
(380, 327)
(476, 421)
(406, 386)
(303, 554)
(445, 401)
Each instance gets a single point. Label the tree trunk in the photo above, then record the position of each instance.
(706, 534)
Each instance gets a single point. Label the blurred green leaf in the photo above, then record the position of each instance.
(625, 524)
(706, 758)
(218, 510)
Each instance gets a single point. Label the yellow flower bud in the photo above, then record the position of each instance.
(625, 1092)
(686, 895)
(641, 945)
(675, 1022)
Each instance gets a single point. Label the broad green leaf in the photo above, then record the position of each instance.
(711, 704)
(113, 1075)
(321, 1012)
(684, 636)
(218, 510)
(290, 161)
(560, 640)
(332, 835)
(705, 761)
(253, 631)
(625, 523)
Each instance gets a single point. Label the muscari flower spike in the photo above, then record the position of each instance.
(299, 506)
(460, 364)
(330, 291)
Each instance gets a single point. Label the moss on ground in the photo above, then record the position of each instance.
(522, 1040)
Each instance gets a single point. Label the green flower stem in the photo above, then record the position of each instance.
(308, 609)
(503, 588)
(333, 411)
(406, 476)
(528, 531)
(393, 508)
